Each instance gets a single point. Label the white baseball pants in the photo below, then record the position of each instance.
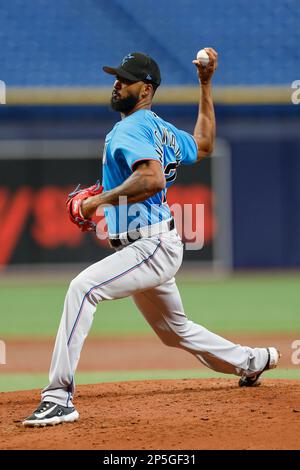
(145, 270)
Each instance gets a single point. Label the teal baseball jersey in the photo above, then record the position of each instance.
(143, 136)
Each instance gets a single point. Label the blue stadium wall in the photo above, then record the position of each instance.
(265, 166)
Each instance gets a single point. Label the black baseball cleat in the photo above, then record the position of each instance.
(273, 360)
(49, 414)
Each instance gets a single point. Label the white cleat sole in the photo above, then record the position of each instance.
(41, 423)
(273, 361)
(274, 357)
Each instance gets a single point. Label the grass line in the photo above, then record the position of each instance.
(247, 303)
(13, 382)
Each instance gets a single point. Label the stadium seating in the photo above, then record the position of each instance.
(65, 42)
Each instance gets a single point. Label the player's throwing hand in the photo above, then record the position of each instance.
(205, 72)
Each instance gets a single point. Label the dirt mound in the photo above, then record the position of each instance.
(168, 414)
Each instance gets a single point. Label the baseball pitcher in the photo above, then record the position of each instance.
(141, 156)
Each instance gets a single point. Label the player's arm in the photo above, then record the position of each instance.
(146, 180)
(205, 128)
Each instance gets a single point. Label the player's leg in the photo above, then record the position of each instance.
(163, 310)
(142, 265)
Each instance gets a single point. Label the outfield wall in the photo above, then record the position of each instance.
(40, 158)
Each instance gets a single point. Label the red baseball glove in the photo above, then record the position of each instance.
(74, 202)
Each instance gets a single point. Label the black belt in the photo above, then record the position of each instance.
(135, 235)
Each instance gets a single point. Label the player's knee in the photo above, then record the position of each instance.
(80, 286)
(176, 334)
(77, 285)
(170, 338)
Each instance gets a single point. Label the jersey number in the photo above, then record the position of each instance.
(171, 171)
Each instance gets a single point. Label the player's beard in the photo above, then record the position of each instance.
(124, 105)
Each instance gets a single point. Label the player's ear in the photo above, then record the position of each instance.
(146, 90)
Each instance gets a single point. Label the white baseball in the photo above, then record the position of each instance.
(203, 57)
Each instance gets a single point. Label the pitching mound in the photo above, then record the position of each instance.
(168, 414)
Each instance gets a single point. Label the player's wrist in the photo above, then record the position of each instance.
(205, 84)
(87, 207)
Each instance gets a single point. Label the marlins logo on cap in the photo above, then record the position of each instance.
(136, 67)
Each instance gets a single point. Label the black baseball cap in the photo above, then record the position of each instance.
(136, 67)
